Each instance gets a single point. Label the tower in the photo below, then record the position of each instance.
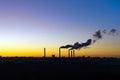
(68, 52)
(44, 52)
(59, 52)
(73, 53)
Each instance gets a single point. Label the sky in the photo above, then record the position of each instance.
(29, 26)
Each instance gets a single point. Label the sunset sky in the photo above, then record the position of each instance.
(28, 26)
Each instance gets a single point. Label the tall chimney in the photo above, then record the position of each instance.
(73, 53)
(44, 52)
(68, 52)
(59, 52)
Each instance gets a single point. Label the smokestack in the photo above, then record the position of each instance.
(44, 52)
(73, 53)
(59, 52)
(68, 52)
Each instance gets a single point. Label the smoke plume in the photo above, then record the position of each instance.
(97, 35)
(104, 31)
(66, 46)
(77, 45)
(113, 32)
(100, 33)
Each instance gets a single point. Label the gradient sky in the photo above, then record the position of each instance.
(27, 26)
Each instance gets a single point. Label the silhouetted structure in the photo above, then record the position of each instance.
(53, 56)
(68, 52)
(73, 53)
(44, 52)
(59, 52)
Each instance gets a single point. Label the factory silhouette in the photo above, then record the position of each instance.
(71, 53)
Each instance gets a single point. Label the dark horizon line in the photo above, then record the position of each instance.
(54, 57)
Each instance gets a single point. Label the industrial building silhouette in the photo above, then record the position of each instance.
(71, 53)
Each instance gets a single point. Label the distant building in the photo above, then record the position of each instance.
(53, 56)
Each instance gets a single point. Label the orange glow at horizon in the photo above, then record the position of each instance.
(93, 52)
(99, 49)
